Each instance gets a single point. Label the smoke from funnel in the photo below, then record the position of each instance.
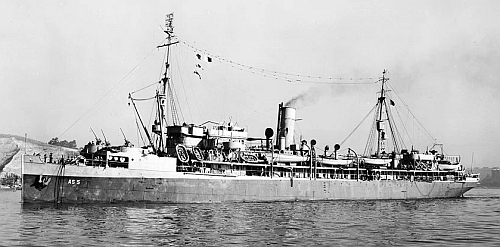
(314, 94)
(293, 102)
(305, 98)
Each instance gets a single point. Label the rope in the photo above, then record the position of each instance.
(289, 77)
(139, 131)
(396, 135)
(154, 83)
(370, 143)
(58, 187)
(107, 93)
(404, 127)
(182, 84)
(143, 99)
(358, 125)
(392, 128)
(176, 102)
(185, 54)
(406, 106)
(223, 80)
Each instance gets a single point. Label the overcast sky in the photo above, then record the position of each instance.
(67, 66)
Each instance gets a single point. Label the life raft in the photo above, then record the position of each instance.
(182, 153)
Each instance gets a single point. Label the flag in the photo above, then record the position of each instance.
(392, 103)
(206, 58)
(196, 72)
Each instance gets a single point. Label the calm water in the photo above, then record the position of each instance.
(470, 221)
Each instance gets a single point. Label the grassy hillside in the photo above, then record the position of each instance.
(12, 147)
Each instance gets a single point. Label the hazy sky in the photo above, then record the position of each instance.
(67, 66)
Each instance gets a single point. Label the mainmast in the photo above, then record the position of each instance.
(383, 125)
(381, 137)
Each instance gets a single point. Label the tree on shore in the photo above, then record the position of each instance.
(55, 141)
(10, 179)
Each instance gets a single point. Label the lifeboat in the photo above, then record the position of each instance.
(378, 162)
(333, 162)
(284, 158)
(445, 165)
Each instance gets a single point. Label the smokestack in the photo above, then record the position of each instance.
(287, 127)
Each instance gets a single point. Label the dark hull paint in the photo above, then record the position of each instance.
(206, 189)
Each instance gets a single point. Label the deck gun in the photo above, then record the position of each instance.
(127, 142)
(97, 140)
(105, 140)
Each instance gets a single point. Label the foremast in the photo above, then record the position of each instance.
(165, 91)
(164, 97)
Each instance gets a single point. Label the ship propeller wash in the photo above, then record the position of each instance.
(214, 162)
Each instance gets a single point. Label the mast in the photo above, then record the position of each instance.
(381, 135)
(376, 145)
(166, 89)
(472, 163)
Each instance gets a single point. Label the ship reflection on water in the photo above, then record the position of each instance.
(459, 221)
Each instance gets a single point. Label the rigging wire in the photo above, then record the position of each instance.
(406, 106)
(154, 83)
(170, 91)
(289, 77)
(224, 80)
(108, 92)
(139, 128)
(404, 125)
(398, 138)
(152, 112)
(370, 143)
(144, 99)
(358, 125)
(392, 127)
(175, 53)
(185, 54)
(139, 133)
(176, 99)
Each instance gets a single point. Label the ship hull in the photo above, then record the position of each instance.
(78, 184)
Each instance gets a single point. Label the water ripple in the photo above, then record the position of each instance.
(470, 221)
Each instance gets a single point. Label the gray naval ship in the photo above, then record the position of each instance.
(219, 162)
